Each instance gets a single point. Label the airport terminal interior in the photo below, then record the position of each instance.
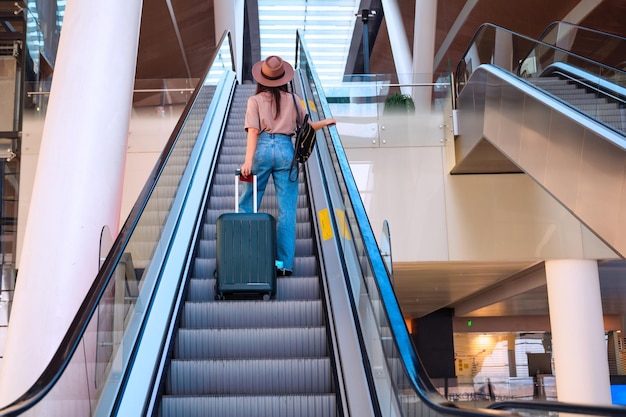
(461, 230)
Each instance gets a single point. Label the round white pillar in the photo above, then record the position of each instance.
(503, 51)
(399, 43)
(78, 184)
(580, 353)
(229, 15)
(424, 51)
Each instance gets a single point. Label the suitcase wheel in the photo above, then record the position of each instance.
(218, 295)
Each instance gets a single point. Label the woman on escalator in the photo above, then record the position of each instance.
(270, 124)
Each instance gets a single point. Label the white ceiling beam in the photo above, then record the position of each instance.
(454, 30)
(581, 10)
(518, 284)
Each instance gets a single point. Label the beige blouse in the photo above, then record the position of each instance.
(261, 112)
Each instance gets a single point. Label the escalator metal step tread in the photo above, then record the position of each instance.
(247, 314)
(588, 98)
(250, 406)
(301, 288)
(298, 342)
(603, 107)
(249, 377)
(208, 244)
(305, 265)
(268, 204)
(303, 218)
(226, 189)
(593, 104)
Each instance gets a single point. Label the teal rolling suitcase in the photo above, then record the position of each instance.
(246, 253)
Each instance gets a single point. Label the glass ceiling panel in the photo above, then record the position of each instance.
(38, 41)
(326, 25)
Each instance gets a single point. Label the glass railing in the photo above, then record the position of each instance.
(157, 96)
(399, 379)
(93, 355)
(590, 87)
(156, 108)
(375, 111)
(606, 48)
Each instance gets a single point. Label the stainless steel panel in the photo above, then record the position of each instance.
(535, 133)
(473, 153)
(492, 113)
(620, 238)
(579, 161)
(510, 133)
(470, 118)
(601, 182)
(564, 159)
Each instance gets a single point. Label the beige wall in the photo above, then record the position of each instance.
(435, 216)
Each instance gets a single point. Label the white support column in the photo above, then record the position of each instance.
(503, 51)
(399, 43)
(567, 34)
(228, 15)
(580, 353)
(78, 184)
(424, 51)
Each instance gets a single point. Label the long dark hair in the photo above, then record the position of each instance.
(275, 92)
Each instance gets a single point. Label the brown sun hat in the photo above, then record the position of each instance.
(272, 71)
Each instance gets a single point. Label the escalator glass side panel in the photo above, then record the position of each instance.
(598, 46)
(590, 87)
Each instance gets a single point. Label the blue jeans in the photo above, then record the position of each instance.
(273, 155)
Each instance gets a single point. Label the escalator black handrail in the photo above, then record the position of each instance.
(588, 29)
(577, 26)
(70, 342)
(485, 26)
(551, 26)
(554, 24)
(561, 407)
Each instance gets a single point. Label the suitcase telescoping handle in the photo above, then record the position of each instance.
(250, 178)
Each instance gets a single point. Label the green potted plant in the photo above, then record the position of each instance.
(399, 103)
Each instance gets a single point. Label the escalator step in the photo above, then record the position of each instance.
(207, 247)
(249, 377)
(305, 265)
(251, 343)
(250, 406)
(245, 314)
(268, 203)
(300, 288)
